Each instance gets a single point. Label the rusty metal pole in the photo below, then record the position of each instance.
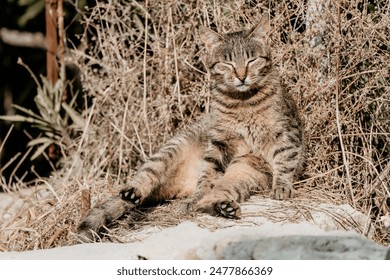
(51, 41)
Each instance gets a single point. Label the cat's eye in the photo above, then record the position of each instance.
(257, 59)
(228, 64)
(253, 60)
(223, 67)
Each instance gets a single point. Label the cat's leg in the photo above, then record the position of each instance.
(100, 216)
(244, 175)
(287, 161)
(172, 172)
(219, 152)
(213, 166)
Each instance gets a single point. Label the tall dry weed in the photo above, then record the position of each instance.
(141, 67)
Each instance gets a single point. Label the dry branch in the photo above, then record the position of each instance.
(22, 39)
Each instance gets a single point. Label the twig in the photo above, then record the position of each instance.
(2, 143)
(177, 84)
(22, 39)
(345, 161)
(145, 112)
(124, 121)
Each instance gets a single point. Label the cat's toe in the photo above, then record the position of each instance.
(228, 209)
(187, 206)
(281, 193)
(132, 195)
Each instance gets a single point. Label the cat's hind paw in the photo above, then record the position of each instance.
(228, 209)
(219, 207)
(132, 195)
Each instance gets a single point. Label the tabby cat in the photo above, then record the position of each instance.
(252, 139)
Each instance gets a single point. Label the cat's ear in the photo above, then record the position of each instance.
(209, 37)
(261, 30)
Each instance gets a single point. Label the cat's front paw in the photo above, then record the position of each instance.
(228, 209)
(281, 193)
(132, 195)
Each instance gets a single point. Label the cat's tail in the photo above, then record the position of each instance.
(100, 216)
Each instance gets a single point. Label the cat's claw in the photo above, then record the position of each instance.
(132, 195)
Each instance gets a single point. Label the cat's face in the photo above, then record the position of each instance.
(238, 61)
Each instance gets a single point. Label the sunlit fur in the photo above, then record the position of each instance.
(251, 140)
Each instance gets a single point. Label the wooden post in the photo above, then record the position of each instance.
(62, 38)
(51, 41)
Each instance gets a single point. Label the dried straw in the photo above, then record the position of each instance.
(141, 68)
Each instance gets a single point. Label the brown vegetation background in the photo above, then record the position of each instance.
(143, 76)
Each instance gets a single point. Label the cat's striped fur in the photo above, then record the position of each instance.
(252, 139)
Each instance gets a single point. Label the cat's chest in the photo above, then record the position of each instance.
(256, 131)
(254, 127)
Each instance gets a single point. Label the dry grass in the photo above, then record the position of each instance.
(142, 70)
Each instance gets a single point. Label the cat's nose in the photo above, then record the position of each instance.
(241, 74)
(242, 79)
